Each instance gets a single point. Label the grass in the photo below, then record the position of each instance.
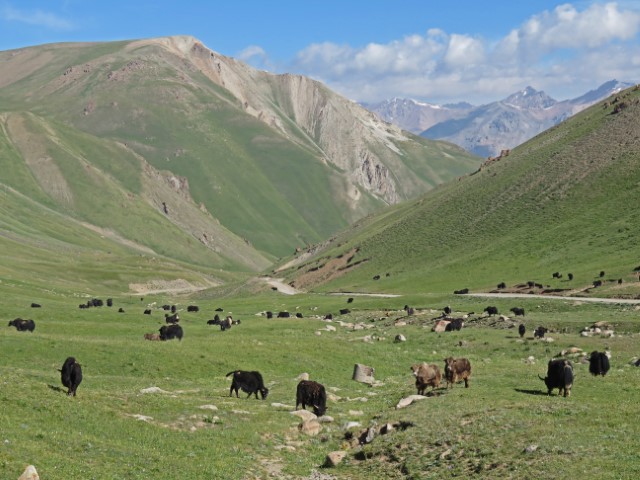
(480, 432)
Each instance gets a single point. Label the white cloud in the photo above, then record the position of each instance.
(550, 50)
(35, 17)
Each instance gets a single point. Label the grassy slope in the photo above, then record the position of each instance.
(476, 433)
(560, 202)
(264, 188)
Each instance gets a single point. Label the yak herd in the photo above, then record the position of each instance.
(313, 394)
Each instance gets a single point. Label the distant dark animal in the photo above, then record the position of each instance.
(248, 382)
(502, 285)
(237, 322)
(619, 281)
(597, 283)
(344, 311)
(175, 318)
(350, 300)
(35, 305)
(560, 376)
(464, 291)
(96, 302)
(213, 322)
(219, 309)
(109, 302)
(298, 315)
(521, 330)
(602, 274)
(275, 289)
(517, 311)
(284, 315)
(193, 308)
(447, 310)
(539, 332)
(538, 285)
(491, 310)
(71, 375)
(457, 370)
(410, 311)
(376, 277)
(152, 336)
(454, 324)
(173, 309)
(531, 284)
(23, 325)
(570, 276)
(169, 332)
(269, 314)
(313, 394)
(598, 363)
(328, 316)
(557, 275)
(166, 307)
(426, 375)
(147, 312)
(121, 310)
(82, 305)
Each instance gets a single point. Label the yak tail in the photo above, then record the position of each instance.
(230, 373)
(543, 379)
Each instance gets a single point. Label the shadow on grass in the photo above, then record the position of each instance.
(56, 388)
(531, 392)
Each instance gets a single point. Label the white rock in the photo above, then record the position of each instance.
(335, 458)
(208, 407)
(303, 376)
(153, 390)
(29, 473)
(305, 415)
(405, 402)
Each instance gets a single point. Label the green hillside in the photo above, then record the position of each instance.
(106, 134)
(566, 201)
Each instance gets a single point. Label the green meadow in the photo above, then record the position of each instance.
(191, 428)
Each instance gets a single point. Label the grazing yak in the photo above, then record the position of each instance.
(109, 302)
(457, 370)
(344, 311)
(559, 375)
(447, 310)
(521, 330)
(168, 332)
(284, 315)
(35, 305)
(147, 312)
(175, 318)
(71, 375)
(463, 291)
(501, 285)
(454, 324)
(193, 308)
(517, 311)
(598, 363)
(23, 325)
(426, 375)
(539, 332)
(248, 382)
(491, 310)
(313, 394)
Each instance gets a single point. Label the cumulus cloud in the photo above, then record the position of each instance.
(36, 17)
(548, 50)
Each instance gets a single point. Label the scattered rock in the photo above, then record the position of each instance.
(29, 473)
(530, 360)
(208, 407)
(303, 376)
(283, 406)
(153, 390)
(305, 415)
(351, 425)
(310, 427)
(335, 458)
(405, 402)
(531, 448)
(400, 338)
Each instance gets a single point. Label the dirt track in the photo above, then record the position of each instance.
(554, 297)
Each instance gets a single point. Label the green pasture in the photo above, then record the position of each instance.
(113, 430)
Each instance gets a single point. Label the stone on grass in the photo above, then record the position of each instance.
(334, 458)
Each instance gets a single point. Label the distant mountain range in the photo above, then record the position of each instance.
(487, 129)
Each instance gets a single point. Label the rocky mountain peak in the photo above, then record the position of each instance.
(530, 98)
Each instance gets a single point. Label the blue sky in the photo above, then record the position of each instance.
(369, 50)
